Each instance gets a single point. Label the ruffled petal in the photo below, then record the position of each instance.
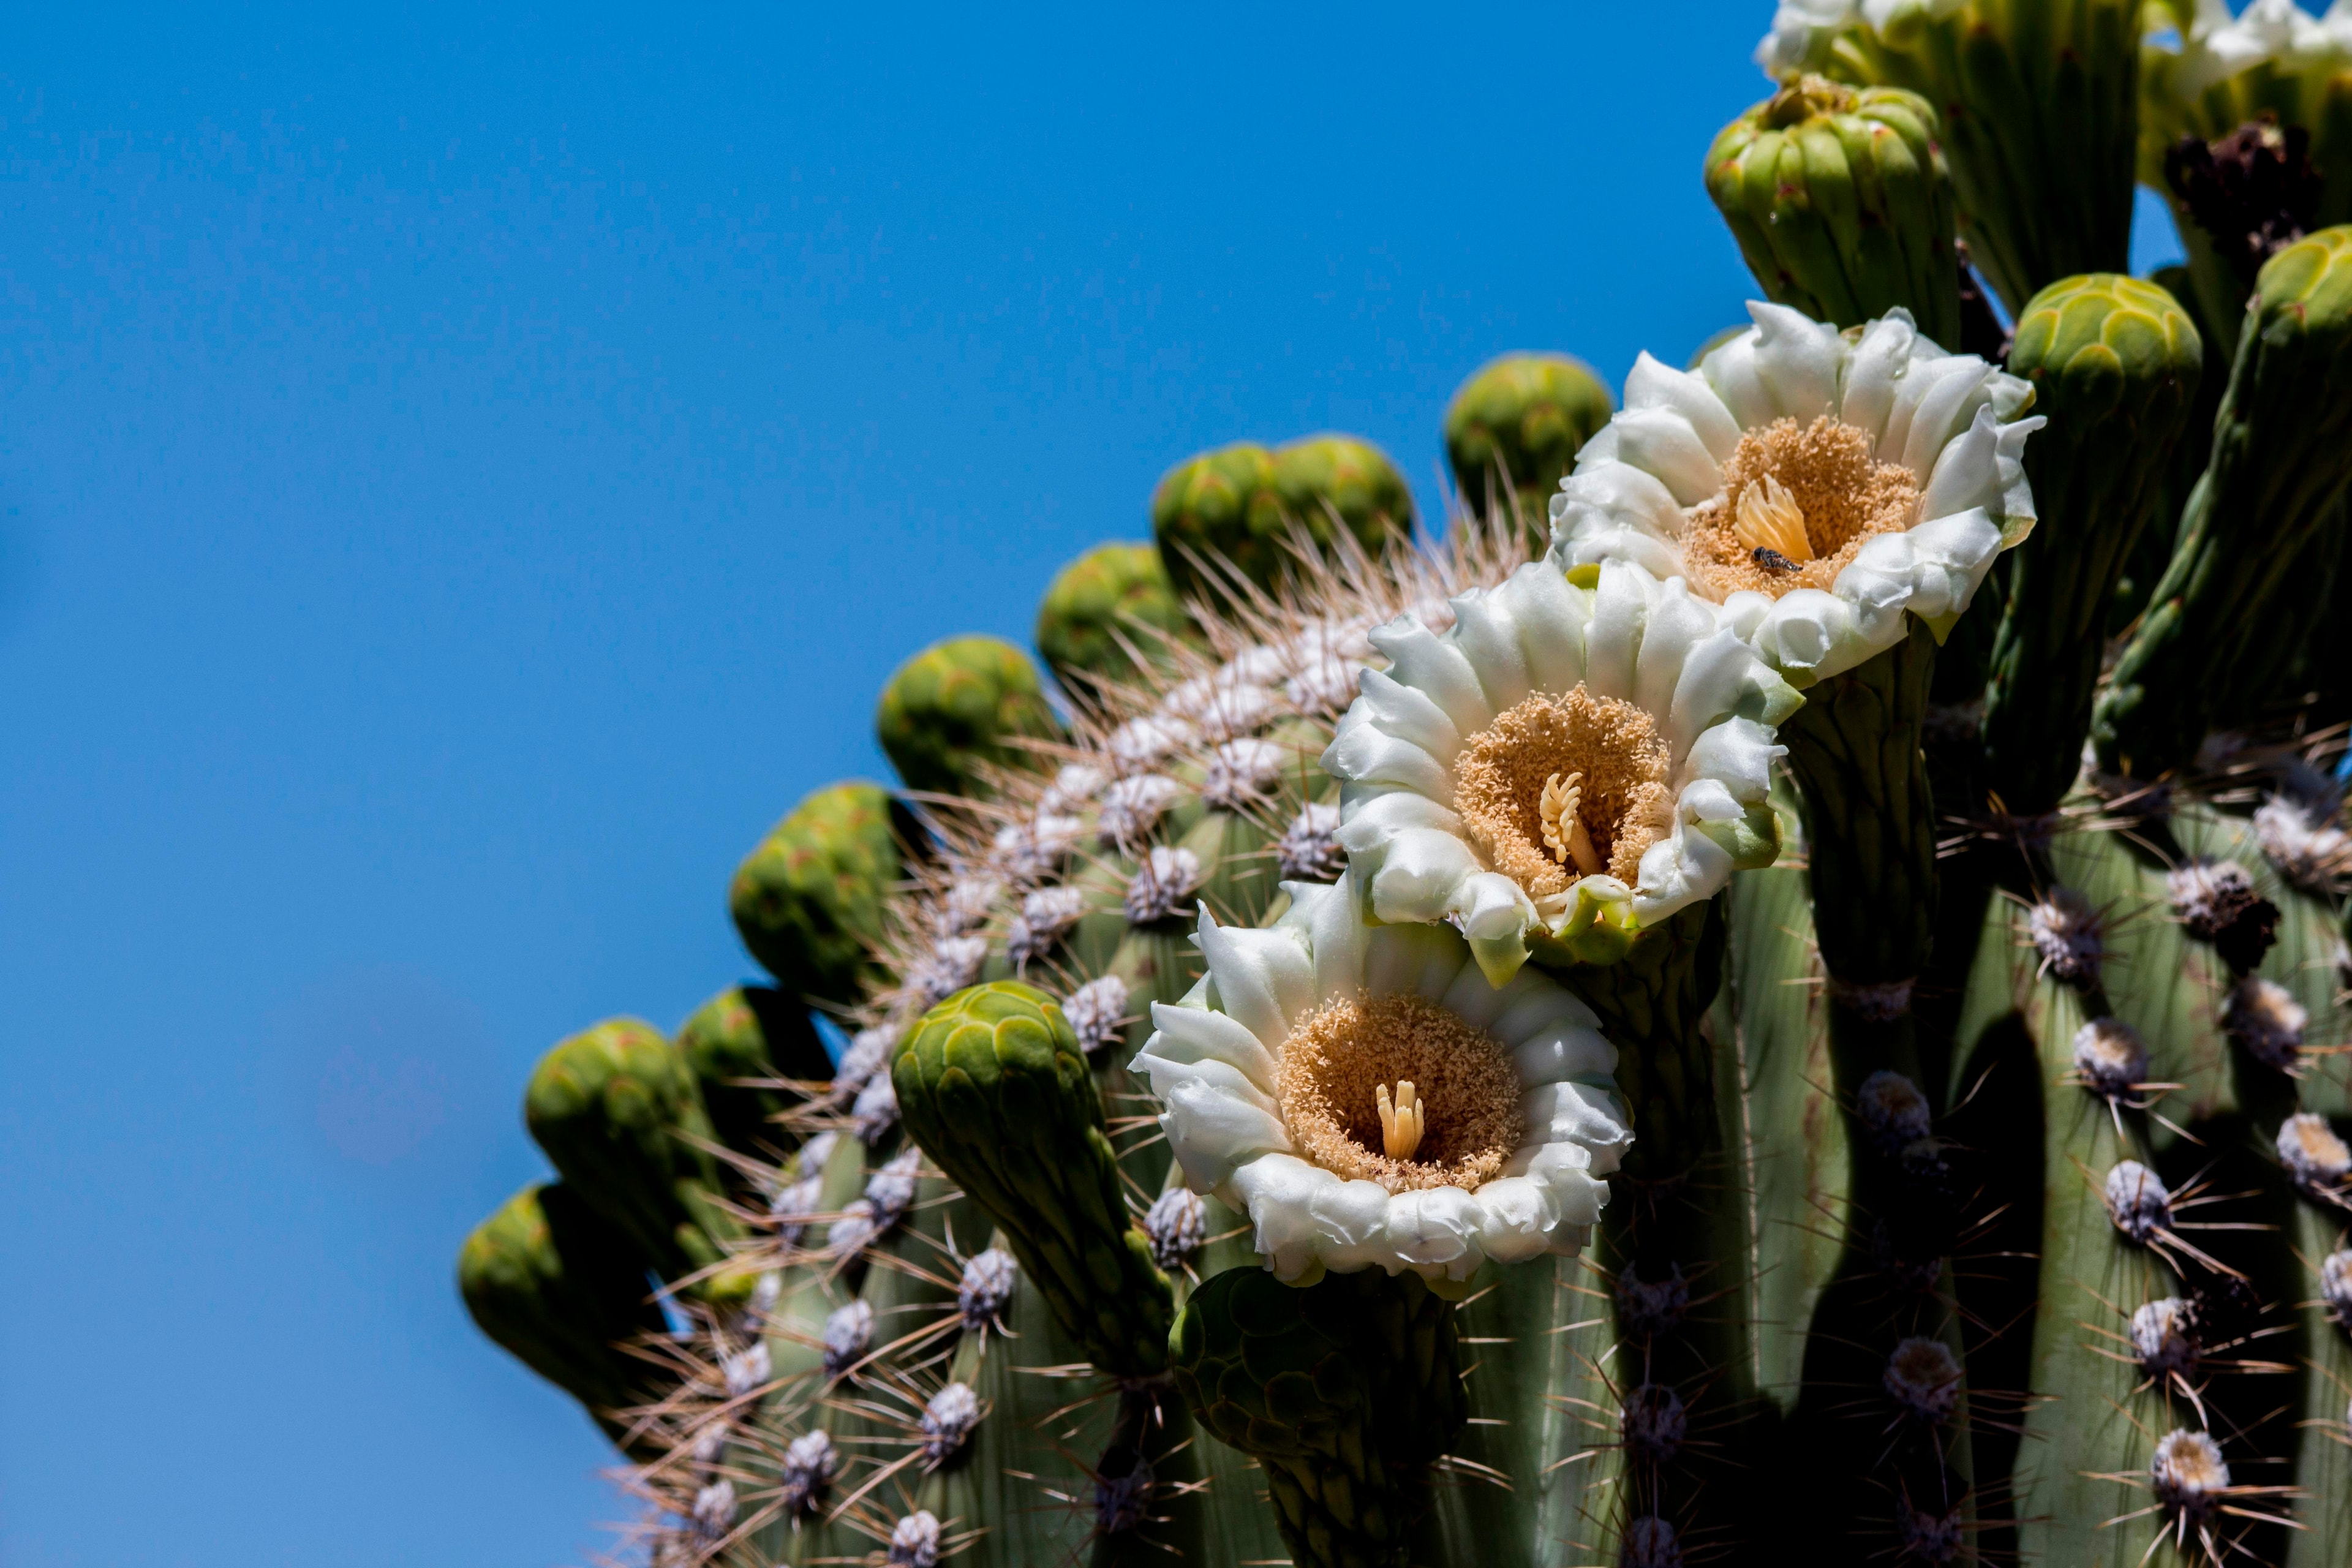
(1187, 1037)
(1652, 385)
(1265, 981)
(1662, 442)
(1212, 1132)
(1421, 658)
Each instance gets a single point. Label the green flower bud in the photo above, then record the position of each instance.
(560, 1289)
(808, 902)
(2115, 363)
(1219, 504)
(1240, 503)
(1841, 205)
(617, 1112)
(956, 710)
(751, 1031)
(1113, 594)
(2282, 459)
(991, 1084)
(1344, 1391)
(1321, 475)
(1523, 417)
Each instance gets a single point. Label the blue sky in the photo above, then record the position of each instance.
(461, 478)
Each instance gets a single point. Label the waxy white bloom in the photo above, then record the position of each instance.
(1276, 1072)
(1817, 485)
(2279, 34)
(1803, 30)
(1562, 762)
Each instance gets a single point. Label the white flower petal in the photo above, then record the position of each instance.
(1652, 385)
(1264, 980)
(1185, 1036)
(1437, 667)
(1214, 1134)
(1662, 442)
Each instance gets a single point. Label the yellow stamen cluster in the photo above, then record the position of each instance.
(1397, 1090)
(1403, 1122)
(1769, 519)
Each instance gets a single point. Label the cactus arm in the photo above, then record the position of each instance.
(994, 1087)
(2114, 364)
(2282, 456)
(2323, 1465)
(2088, 1421)
(1794, 1137)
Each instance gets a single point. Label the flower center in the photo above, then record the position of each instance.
(1451, 1120)
(1559, 788)
(1797, 503)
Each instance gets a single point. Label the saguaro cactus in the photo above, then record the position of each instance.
(1459, 1058)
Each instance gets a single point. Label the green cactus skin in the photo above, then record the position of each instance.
(1841, 205)
(1240, 503)
(2114, 364)
(2282, 458)
(751, 1031)
(1112, 599)
(2323, 1465)
(561, 1289)
(2040, 118)
(808, 902)
(1344, 1391)
(1854, 751)
(956, 714)
(617, 1112)
(1524, 418)
(992, 1083)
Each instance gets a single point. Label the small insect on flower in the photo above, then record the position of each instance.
(2266, 1021)
(1655, 1425)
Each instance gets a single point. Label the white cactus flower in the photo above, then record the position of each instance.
(1803, 30)
(1278, 1071)
(1815, 484)
(1561, 763)
(2279, 34)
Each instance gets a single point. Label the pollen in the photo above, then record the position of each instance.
(1797, 503)
(1396, 1090)
(1559, 788)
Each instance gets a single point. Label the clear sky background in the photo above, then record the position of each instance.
(461, 479)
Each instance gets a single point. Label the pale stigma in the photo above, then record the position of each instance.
(1768, 518)
(1563, 830)
(1402, 1121)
